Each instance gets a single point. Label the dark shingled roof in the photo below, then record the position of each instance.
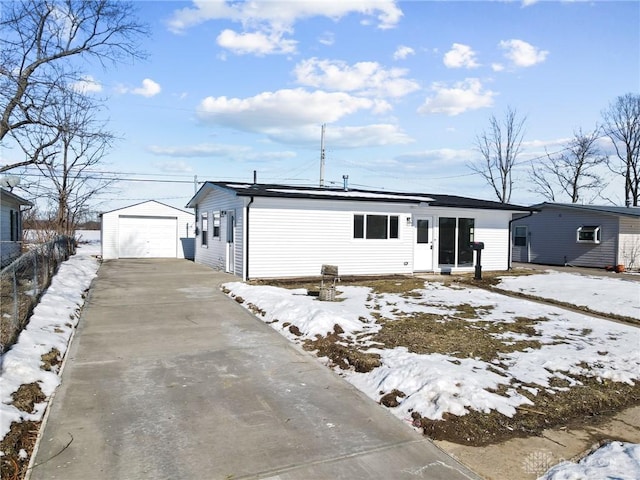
(352, 194)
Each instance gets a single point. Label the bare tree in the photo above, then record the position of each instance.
(69, 183)
(43, 43)
(572, 172)
(499, 146)
(622, 126)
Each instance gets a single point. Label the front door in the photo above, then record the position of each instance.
(231, 252)
(423, 248)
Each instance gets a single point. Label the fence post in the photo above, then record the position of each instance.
(15, 299)
(36, 285)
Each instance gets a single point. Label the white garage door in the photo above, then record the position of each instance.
(148, 237)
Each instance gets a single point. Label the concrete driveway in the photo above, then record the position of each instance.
(167, 378)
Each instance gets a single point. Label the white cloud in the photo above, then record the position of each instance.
(270, 112)
(174, 167)
(266, 23)
(283, 14)
(200, 150)
(497, 67)
(366, 78)
(403, 52)
(522, 54)
(460, 56)
(441, 156)
(327, 38)
(87, 84)
(257, 43)
(376, 135)
(462, 96)
(148, 89)
(215, 150)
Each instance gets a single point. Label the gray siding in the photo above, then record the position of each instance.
(552, 238)
(10, 248)
(214, 254)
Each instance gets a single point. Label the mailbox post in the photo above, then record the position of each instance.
(478, 247)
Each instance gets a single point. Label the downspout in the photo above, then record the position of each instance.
(510, 242)
(246, 241)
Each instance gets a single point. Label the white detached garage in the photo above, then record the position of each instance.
(147, 230)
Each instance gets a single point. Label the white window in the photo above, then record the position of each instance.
(520, 236)
(216, 225)
(205, 227)
(588, 234)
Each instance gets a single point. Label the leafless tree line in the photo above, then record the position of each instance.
(573, 173)
(45, 48)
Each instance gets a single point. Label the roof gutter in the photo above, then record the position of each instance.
(246, 236)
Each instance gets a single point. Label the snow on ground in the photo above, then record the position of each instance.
(434, 384)
(599, 294)
(614, 461)
(51, 326)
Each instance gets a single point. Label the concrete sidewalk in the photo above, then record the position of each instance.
(167, 378)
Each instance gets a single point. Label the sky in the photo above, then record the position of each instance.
(403, 88)
(454, 385)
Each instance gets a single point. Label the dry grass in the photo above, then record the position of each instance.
(18, 444)
(21, 436)
(427, 333)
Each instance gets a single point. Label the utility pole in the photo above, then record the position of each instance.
(322, 156)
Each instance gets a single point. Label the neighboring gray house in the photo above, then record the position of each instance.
(578, 235)
(10, 226)
(269, 231)
(147, 230)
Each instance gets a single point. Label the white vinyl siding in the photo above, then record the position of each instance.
(294, 237)
(297, 239)
(181, 230)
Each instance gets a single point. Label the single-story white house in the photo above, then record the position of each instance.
(277, 231)
(10, 226)
(578, 235)
(147, 230)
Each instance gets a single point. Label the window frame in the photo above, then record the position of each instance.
(454, 246)
(217, 215)
(204, 226)
(366, 228)
(593, 230)
(516, 237)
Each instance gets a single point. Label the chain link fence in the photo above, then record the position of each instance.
(23, 281)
